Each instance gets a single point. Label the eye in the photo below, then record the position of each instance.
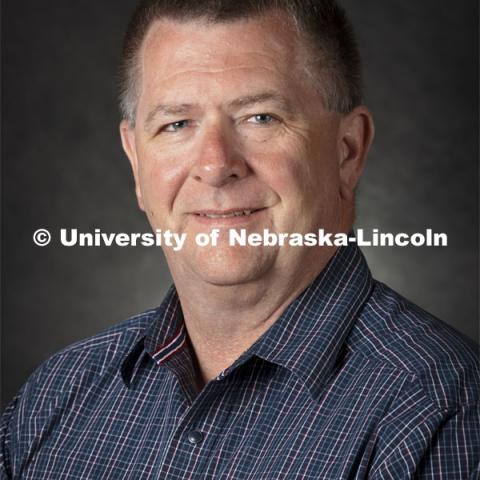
(261, 119)
(175, 126)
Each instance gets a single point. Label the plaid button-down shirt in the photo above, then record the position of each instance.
(351, 382)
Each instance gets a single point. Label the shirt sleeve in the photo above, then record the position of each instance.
(446, 447)
(6, 443)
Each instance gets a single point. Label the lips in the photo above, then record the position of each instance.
(231, 213)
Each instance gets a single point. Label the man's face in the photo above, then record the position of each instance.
(231, 132)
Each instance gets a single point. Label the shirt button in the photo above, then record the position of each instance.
(195, 437)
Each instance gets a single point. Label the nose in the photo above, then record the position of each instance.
(218, 160)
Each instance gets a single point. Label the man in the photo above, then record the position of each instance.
(263, 362)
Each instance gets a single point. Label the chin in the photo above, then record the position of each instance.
(233, 266)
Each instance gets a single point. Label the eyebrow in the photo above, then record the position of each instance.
(166, 109)
(240, 102)
(249, 100)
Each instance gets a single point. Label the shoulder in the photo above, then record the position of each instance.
(395, 332)
(81, 363)
(63, 382)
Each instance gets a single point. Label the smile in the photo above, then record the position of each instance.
(239, 213)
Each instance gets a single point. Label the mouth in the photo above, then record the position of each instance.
(232, 213)
(230, 217)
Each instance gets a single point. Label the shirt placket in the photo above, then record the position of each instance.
(193, 440)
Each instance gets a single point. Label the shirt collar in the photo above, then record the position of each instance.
(167, 335)
(306, 339)
(162, 339)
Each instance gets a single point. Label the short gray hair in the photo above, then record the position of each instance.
(323, 22)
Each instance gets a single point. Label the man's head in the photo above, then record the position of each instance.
(320, 24)
(235, 117)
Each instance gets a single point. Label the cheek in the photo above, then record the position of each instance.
(280, 164)
(307, 181)
(160, 181)
(288, 179)
(297, 175)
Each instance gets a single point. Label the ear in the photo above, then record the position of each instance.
(127, 134)
(356, 134)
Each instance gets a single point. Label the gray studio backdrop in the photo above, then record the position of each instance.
(63, 167)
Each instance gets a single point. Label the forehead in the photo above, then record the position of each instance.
(267, 42)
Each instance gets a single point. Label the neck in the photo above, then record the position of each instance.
(224, 321)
